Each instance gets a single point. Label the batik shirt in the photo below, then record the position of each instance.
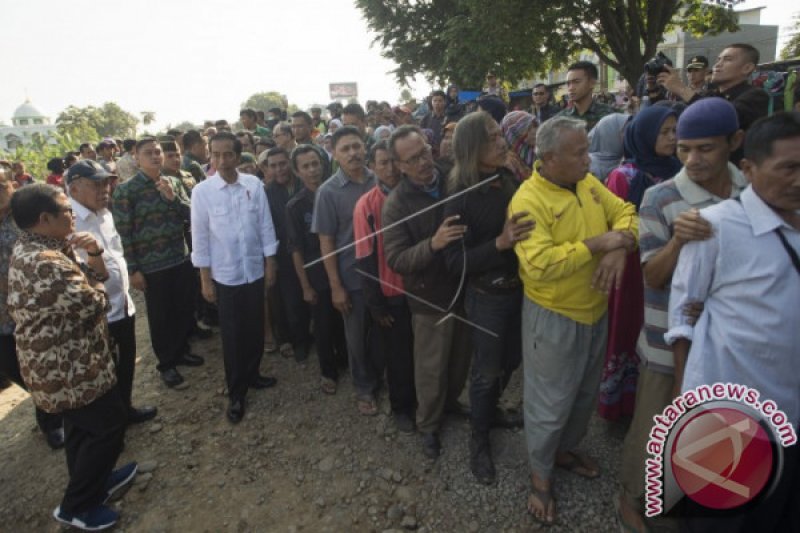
(62, 335)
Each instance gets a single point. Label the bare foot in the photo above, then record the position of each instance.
(578, 463)
(628, 517)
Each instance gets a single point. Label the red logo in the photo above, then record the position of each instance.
(722, 458)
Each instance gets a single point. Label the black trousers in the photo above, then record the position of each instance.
(123, 332)
(396, 346)
(329, 336)
(9, 368)
(93, 441)
(170, 312)
(296, 314)
(241, 322)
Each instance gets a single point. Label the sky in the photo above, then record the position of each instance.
(198, 59)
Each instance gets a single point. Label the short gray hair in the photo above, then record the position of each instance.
(548, 137)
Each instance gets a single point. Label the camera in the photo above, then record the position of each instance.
(655, 66)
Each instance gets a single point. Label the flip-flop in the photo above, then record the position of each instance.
(270, 347)
(287, 350)
(327, 385)
(579, 465)
(367, 407)
(545, 497)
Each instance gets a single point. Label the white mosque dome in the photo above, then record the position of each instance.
(28, 110)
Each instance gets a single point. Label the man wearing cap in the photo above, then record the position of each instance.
(89, 192)
(105, 155)
(696, 73)
(730, 79)
(493, 88)
(708, 132)
(150, 211)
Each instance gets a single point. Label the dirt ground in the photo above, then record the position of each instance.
(299, 461)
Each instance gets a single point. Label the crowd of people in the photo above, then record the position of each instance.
(619, 258)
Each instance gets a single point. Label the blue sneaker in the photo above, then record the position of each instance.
(95, 519)
(119, 479)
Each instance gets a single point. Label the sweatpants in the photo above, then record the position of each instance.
(563, 364)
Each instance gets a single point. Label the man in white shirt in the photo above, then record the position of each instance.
(233, 245)
(89, 191)
(747, 274)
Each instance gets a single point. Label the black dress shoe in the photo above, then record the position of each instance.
(55, 438)
(171, 378)
(236, 410)
(137, 415)
(263, 382)
(190, 359)
(431, 446)
(202, 333)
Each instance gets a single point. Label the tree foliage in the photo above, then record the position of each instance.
(459, 40)
(792, 48)
(265, 101)
(108, 120)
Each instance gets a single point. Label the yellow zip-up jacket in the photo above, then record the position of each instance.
(555, 266)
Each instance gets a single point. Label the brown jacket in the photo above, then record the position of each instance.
(407, 247)
(62, 335)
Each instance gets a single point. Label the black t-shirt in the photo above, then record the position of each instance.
(298, 236)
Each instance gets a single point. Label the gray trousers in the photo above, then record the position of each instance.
(563, 363)
(363, 367)
(441, 364)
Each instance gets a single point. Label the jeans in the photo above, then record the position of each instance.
(494, 359)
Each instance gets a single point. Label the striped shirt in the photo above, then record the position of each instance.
(660, 207)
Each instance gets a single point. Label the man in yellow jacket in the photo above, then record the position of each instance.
(574, 256)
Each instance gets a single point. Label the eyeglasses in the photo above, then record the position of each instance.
(415, 160)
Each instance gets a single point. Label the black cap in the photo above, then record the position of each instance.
(88, 169)
(697, 62)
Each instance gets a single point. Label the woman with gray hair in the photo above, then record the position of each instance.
(486, 258)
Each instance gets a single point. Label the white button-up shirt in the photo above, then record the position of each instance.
(101, 225)
(749, 331)
(232, 230)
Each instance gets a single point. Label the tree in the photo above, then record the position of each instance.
(267, 100)
(459, 40)
(109, 120)
(792, 48)
(406, 96)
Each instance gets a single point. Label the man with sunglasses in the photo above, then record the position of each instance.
(542, 108)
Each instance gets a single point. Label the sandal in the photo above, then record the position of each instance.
(287, 350)
(367, 406)
(270, 347)
(327, 385)
(545, 498)
(581, 465)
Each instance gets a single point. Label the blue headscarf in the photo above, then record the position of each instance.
(640, 143)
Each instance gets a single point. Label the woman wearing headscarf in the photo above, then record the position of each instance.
(519, 129)
(605, 144)
(649, 144)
